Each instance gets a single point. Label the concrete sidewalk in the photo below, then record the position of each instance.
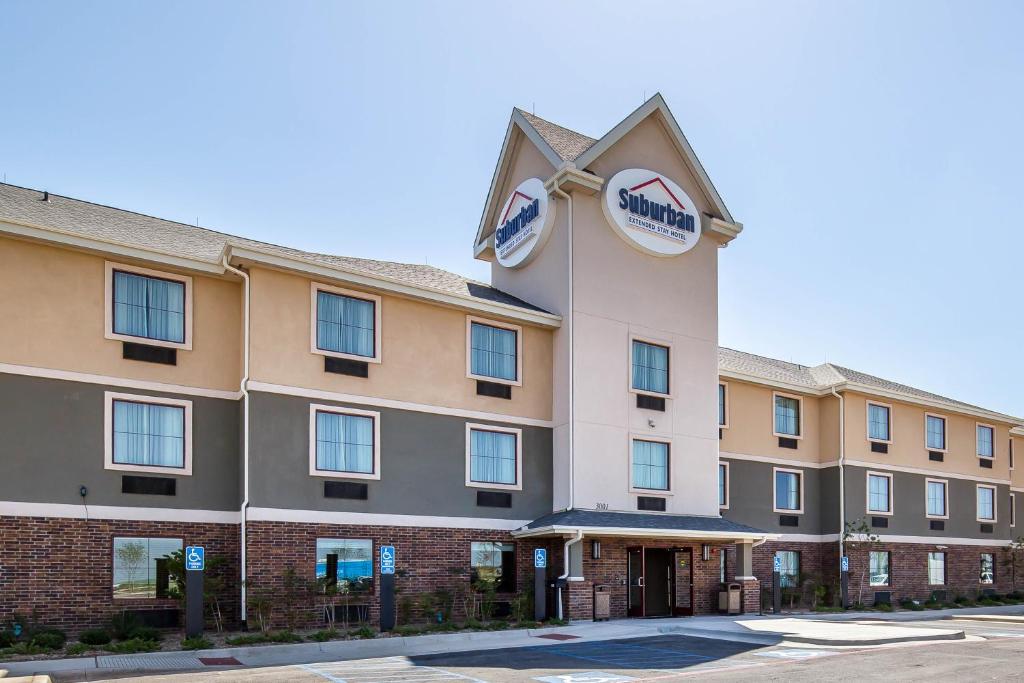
(838, 630)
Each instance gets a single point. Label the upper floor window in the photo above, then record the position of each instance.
(650, 367)
(787, 415)
(493, 457)
(723, 484)
(788, 490)
(723, 405)
(935, 498)
(346, 324)
(148, 306)
(880, 493)
(345, 563)
(344, 443)
(494, 351)
(986, 441)
(148, 433)
(986, 503)
(650, 465)
(141, 566)
(935, 432)
(879, 422)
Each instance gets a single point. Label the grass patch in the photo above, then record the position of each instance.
(264, 638)
(94, 636)
(24, 649)
(196, 643)
(77, 649)
(325, 635)
(363, 632)
(132, 645)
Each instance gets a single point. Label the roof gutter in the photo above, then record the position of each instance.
(842, 471)
(639, 532)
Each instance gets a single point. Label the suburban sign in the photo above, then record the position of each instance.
(523, 224)
(651, 212)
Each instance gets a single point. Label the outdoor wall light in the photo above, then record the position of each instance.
(595, 550)
(705, 552)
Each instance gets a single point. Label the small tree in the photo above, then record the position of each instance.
(132, 556)
(857, 536)
(1014, 559)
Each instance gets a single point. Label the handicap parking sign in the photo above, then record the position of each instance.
(195, 558)
(778, 564)
(387, 559)
(540, 558)
(846, 563)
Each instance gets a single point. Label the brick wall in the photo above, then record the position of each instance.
(63, 568)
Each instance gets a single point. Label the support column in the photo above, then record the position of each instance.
(745, 577)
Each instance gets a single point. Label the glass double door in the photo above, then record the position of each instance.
(660, 582)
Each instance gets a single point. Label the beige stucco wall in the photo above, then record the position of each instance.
(752, 425)
(423, 352)
(52, 302)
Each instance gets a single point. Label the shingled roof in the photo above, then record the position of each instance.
(568, 144)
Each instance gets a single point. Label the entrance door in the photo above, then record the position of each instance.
(658, 588)
(683, 569)
(635, 605)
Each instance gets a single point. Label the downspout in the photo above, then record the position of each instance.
(572, 370)
(842, 460)
(244, 387)
(565, 563)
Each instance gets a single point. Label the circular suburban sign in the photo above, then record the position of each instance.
(524, 224)
(651, 212)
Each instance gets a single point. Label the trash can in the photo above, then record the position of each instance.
(730, 598)
(602, 603)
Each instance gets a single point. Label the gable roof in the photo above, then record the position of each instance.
(567, 144)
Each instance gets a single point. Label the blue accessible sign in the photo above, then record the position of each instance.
(195, 558)
(540, 558)
(778, 564)
(846, 563)
(387, 559)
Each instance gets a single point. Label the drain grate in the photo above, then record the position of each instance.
(168, 661)
(220, 661)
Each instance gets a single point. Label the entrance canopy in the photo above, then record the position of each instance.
(640, 525)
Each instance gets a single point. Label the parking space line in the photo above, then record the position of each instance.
(384, 670)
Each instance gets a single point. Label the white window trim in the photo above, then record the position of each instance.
(315, 287)
(314, 408)
(945, 567)
(727, 476)
(800, 417)
(518, 486)
(995, 503)
(976, 442)
(799, 473)
(993, 581)
(945, 433)
(888, 574)
(867, 423)
(653, 342)
(726, 385)
(108, 306)
(108, 433)
(671, 469)
(518, 381)
(945, 493)
(867, 492)
(1010, 453)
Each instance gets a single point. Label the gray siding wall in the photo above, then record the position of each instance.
(51, 443)
(751, 498)
(423, 464)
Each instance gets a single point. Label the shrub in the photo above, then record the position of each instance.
(325, 635)
(914, 605)
(883, 607)
(407, 630)
(196, 643)
(248, 639)
(6, 639)
(285, 637)
(147, 633)
(49, 640)
(95, 636)
(76, 649)
(123, 625)
(24, 648)
(363, 632)
(132, 645)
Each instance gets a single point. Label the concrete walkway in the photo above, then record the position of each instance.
(846, 629)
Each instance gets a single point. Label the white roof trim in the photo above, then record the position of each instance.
(643, 532)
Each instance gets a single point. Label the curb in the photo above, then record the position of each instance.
(807, 640)
(984, 618)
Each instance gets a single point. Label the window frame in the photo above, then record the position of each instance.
(775, 483)
(945, 432)
(725, 391)
(517, 432)
(725, 464)
(315, 287)
(315, 408)
(867, 492)
(108, 433)
(799, 564)
(651, 341)
(799, 417)
(1013, 509)
(888, 565)
(977, 441)
(995, 503)
(867, 421)
(470, 319)
(668, 465)
(515, 558)
(373, 557)
(945, 492)
(113, 545)
(110, 267)
(992, 581)
(945, 567)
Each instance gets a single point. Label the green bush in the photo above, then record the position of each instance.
(285, 637)
(147, 633)
(196, 643)
(95, 636)
(407, 630)
(248, 639)
(913, 605)
(23, 648)
(326, 634)
(132, 645)
(363, 632)
(49, 640)
(76, 649)
(6, 639)
(883, 607)
(123, 625)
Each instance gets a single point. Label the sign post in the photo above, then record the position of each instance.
(540, 570)
(195, 564)
(844, 580)
(387, 587)
(777, 585)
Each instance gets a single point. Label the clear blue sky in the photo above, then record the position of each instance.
(873, 150)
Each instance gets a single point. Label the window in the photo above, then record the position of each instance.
(1013, 510)
(986, 441)
(788, 491)
(986, 503)
(494, 563)
(935, 432)
(650, 367)
(346, 324)
(789, 574)
(787, 415)
(493, 352)
(147, 433)
(936, 569)
(879, 422)
(494, 458)
(723, 561)
(936, 498)
(880, 493)
(344, 442)
(650, 465)
(878, 569)
(140, 566)
(988, 569)
(148, 306)
(723, 484)
(345, 563)
(723, 405)
(1010, 451)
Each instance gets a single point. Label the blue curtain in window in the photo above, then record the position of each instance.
(878, 493)
(986, 504)
(787, 415)
(721, 484)
(787, 491)
(650, 367)
(148, 434)
(878, 422)
(721, 404)
(493, 351)
(985, 442)
(345, 324)
(149, 307)
(650, 465)
(492, 457)
(936, 432)
(344, 443)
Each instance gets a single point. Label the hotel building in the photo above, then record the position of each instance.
(164, 385)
